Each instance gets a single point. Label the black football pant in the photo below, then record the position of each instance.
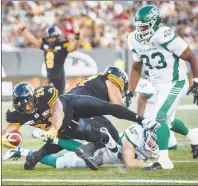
(59, 84)
(101, 121)
(85, 107)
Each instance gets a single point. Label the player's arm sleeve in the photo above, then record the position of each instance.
(12, 121)
(66, 45)
(131, 137)
(117, 81)
(177, 45)
(131, 48)
(51, 94)
(12, 116)
(174, 43)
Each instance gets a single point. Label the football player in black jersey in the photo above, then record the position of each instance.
(109, 86)
(42, 108)
(55, 52)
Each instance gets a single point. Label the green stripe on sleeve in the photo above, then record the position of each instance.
(164, 45)
(175, 68)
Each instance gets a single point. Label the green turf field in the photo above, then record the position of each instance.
(185, 171)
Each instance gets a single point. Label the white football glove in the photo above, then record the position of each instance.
(50, 135)
(151, 124)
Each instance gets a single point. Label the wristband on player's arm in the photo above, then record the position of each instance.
(129, 94)
(139, 119)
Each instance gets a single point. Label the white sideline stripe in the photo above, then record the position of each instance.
(99, 181)
(187, 107)
(176, 161)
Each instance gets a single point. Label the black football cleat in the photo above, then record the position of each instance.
(154, 166)
(30, 163)
(194, 151)
(89, 161)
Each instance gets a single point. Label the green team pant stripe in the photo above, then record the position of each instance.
(162, 113)
(176, 68)
(130, 140)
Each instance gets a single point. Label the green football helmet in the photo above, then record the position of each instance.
(147, 22)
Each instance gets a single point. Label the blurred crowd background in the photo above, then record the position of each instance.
(101, 23)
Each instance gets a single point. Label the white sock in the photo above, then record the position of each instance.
(164, 160)
(163, 154)
(192, 136)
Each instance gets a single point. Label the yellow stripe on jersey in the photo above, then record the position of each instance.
(116, 80)
(53, 98)
(13, 123)
(65, 45)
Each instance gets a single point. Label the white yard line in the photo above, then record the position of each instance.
(188, 107)
(101, 181)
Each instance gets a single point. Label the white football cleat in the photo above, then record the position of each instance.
(165, 164)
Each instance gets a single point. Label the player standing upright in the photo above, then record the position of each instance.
(55, 52)
(156, 48)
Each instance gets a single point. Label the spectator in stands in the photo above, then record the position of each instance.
(102, 23)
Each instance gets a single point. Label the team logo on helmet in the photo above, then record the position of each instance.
(154, 12)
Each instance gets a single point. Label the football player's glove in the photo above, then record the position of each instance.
(6, 141)
(12, 153)
(128, 100)
(151, 124)
(194, 90)
(50, 135)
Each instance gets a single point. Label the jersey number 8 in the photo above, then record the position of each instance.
(50, 60)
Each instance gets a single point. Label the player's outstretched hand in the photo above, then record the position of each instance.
(194, 90)
(50, 135)
(6, 141)
(151, 124)
(128, 100)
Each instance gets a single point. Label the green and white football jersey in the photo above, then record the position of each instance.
(159, 55)
(137, 136)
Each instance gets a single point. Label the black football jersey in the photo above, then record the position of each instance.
(41, 118)
(96, 86)
(55, 57)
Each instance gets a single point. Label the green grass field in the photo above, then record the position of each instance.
(185, 171)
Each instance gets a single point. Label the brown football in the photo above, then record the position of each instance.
(15, 135)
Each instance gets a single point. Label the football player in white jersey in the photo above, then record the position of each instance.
(136, 145)
(156, 48)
